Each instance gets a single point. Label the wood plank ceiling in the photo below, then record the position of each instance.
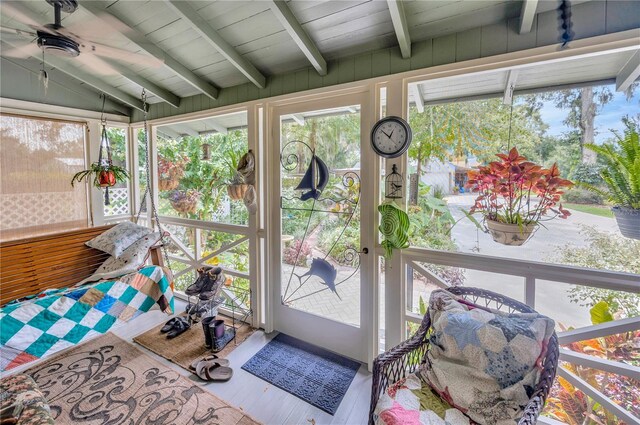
(197, 46)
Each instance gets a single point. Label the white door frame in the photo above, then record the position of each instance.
(351, 341)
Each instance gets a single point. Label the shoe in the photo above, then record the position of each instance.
(218, 343)
(206, 322)
(207, 276)
(169, 325)
(179, 327)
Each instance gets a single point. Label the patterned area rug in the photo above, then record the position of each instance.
(185, 348)
(313, 374)
(109, 381)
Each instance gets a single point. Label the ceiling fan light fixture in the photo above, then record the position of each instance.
(58, 45)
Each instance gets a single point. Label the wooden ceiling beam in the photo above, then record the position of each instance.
(161, 93)
(146, 45)
(168, 132)
(629, 73)
(184, 128)
(202, 27)
(299, 35)
(88, 79)
(527, 14)
(414, 90)
(396, 9)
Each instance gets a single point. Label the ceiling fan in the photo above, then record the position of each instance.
(58, 40)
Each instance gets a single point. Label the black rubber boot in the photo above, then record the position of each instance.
(205, 327)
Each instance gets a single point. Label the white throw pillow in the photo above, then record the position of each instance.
(131, 260)
(117, 239)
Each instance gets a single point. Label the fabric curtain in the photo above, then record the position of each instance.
(38, 157)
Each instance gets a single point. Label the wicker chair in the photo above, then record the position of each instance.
(400, 361)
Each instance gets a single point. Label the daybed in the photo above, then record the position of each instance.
(56, 314)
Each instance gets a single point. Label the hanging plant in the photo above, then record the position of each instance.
(105, 174)
(170, 173)
(236, 187)
(185, 201)
(515, 196)
(621, 179)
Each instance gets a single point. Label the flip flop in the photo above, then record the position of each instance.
(179, 327)
(211, 370)
(169, 325)
(194, 365)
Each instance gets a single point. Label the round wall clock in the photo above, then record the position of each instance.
(391, 137)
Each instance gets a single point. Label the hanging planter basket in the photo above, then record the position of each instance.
(168, 184)
(237, 191)
(628, 220)
(107, 178)
(185, 202)
(510, 234)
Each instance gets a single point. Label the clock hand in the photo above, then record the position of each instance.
(388, 137)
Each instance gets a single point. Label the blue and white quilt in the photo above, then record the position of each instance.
(57, 319)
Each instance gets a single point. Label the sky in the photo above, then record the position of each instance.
(609, 117)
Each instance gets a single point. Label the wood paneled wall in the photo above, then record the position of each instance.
(590, 19)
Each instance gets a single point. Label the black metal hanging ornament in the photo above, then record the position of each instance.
(567, 33)
(393, 184)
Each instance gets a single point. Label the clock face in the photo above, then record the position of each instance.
(391, 137)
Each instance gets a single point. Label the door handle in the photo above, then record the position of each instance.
(364, 251)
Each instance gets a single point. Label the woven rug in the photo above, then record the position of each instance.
(189, 346)
(313, 374)
(109, 381)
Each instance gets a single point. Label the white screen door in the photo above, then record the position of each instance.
(320, 193)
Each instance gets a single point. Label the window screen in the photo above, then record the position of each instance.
(38, 157)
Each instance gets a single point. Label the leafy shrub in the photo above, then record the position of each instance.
(349, 239)
(291, 253)
(438, 192)
(607, 252)
(587, 173)
(578, 195)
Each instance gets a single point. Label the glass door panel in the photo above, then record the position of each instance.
(320, 221)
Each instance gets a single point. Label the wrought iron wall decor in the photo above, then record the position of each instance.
(393, 184)
(313, 187)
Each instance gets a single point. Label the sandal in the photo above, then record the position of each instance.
(194, 365)
(179, 327)
(169, 325)
(212, 370)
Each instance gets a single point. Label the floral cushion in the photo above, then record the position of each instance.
(411, 401)
(120, 237)
(131, 260)
(485, 363)
(22, 402)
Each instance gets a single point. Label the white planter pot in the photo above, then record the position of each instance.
(510, 234)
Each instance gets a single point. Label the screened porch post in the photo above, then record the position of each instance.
(394, 276)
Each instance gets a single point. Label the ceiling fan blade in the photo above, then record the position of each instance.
(18, 32)
(13, 11)
(25, 51)
(119, 54)
(96, 65)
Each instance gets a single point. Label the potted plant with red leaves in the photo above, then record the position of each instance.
(515, 196)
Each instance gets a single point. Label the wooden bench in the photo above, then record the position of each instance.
(31, 265)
